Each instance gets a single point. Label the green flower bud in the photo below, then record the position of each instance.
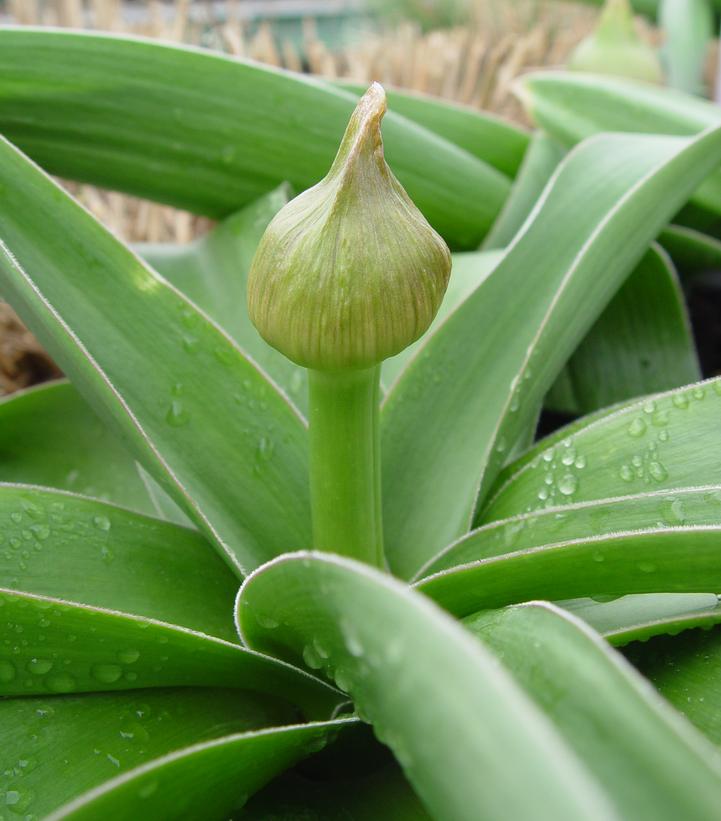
(616, 48)
(349, 272)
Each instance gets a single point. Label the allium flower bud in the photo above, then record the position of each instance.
(350, 272)
(615, 48)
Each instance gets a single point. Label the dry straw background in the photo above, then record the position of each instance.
(474, 65)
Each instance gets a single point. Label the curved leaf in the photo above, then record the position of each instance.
(208, 780)
(199, 416)
(686, 669)
(693, 252)
(651, 762)
(496, 141)
(669, 441)
(52, 646)
(453, 734)
(539, 162)
(639, 617)
(641, 343)
(574, 105)
(49, 436)
(210, 133)
(55, 748)
(459, 408)
(687, 506)
(213, 272)
(655, 560)
(81, 550)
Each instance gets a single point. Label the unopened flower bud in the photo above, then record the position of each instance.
(616, 48)
(350, 272)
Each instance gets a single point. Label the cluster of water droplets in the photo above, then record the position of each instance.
(28, 529)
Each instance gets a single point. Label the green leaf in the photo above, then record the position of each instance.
(81, 550)
(202, 419)
(459, 408)
(540, 161)
(688, 26)
(685, 506)
(651, 763)
(681, 559)
(686, 669)
(492, 139)
(210, 133)
(454, 735)
(213, 272)
(209, 780)
(641, 343)
(54, 646)
(56, 748)
(49, 436)
(692, 252)
(468, 271)
(572, 106)
(639, 617)
(667, 441)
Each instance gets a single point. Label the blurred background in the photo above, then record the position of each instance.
(465, 51)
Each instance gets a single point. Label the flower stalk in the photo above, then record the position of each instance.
(348, 274)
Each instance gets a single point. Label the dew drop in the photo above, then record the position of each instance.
(680, 400)
(657, 471)
(129, 656)
(106, 673)
(568, 484)
(647, 567)
(311, 657)
(598, 556)
(626, 473)
(39, 666)
(101, 523)
(7, 671)
(177, 415)
(637, 428)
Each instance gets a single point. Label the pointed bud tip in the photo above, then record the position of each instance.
(349, 273)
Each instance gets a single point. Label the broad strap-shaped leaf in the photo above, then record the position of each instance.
(575, 105)
(651, 763)
(667, 441)
(459, 407)
(686, 669)
(689, 26)
(50, 436)
(57, 748)
(468, 271)
(81, 550)
(496, 141)
(656, 560)
(452, 716)
(639, 617)
(209, 780)
(58, 647)
(655, 510)
(202, 418)
(213, 272)
(641, 343)
(539, 162)
(209, 133)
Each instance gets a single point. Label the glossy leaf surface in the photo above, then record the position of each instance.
(651, 762)
(661, 443)
(213, 272)
(209, 133)
(474, 387)
(479, 720)
(170, 382)
(55, 748)
(80, 550)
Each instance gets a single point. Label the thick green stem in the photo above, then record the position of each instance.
(345, 463)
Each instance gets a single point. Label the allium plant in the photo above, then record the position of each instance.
(327, 568)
